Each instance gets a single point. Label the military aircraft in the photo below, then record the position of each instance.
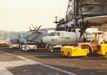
(80, 14)
(61, 38)
(51, 39)
(30, 37)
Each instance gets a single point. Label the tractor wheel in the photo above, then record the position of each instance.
(62, 53)
(68, 54)
(106, 54)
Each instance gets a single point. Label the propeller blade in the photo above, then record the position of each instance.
(35, 28)
(83, 27)
(81, 33)
(29, 28)
(38, 27)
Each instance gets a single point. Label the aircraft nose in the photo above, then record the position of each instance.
(44, 39)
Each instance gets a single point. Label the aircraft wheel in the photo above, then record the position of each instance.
(22, 48)
(51, 49)
(25, 48)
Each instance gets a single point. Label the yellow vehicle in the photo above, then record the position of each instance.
(102, 50)
(72, 51)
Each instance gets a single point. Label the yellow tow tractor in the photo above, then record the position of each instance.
(72, 51)
(85, 48)
(102, 50)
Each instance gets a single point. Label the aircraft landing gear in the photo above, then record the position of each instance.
(50, 48)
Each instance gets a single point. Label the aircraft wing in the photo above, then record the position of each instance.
(97, 20)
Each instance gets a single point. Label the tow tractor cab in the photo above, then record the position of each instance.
(96, 45)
